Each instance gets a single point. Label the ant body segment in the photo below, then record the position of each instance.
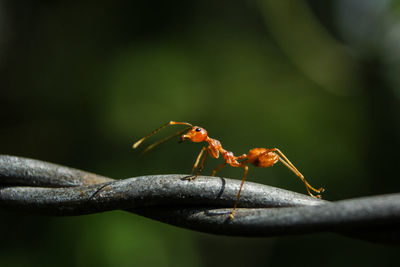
(259, 157)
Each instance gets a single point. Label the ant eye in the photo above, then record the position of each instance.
(198, 129)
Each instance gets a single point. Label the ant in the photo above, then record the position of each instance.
(259, 157)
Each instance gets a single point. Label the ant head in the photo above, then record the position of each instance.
(195, 134)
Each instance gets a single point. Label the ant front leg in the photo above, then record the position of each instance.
(198, 159)
(197, 163)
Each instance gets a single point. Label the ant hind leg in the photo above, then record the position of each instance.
(290, 166)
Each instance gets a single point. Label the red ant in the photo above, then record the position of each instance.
(259, 157)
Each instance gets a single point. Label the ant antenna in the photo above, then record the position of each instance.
(135, 145)
(150, 147)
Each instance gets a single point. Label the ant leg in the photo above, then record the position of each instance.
(198, 159)
(289, 165)
(246, 169)
(234, 165)
(201, 164)
(308, 186)
(243, 156)
(218, 168)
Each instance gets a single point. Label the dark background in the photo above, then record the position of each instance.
(80, 82)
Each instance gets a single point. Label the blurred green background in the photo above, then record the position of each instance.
(81, 81)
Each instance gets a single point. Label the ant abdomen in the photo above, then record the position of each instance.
(262, 157)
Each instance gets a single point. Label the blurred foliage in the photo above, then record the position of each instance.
(80, 82)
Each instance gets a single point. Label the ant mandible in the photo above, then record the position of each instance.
(259, 157)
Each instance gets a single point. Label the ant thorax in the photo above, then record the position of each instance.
(229, 157)
(214, 147)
